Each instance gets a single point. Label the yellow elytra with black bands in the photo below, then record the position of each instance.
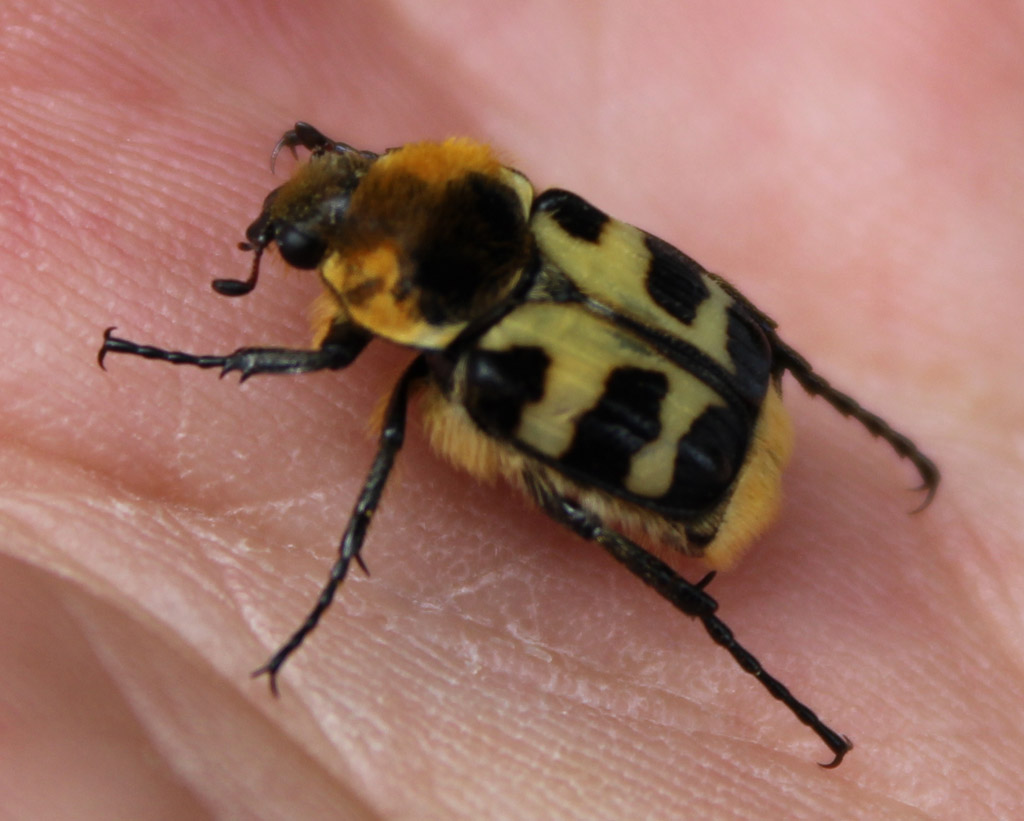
(632, 394)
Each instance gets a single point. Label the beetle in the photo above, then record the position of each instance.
(632, 394)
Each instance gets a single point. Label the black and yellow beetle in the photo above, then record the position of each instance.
(595, 367)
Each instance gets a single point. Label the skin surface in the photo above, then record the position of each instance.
(856, 171)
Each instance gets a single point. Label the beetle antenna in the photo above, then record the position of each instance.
(241, 287)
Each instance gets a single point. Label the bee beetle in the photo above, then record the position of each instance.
(633, 395)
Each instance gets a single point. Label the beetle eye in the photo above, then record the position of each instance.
(299, 249)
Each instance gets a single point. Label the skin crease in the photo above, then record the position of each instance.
(857, 173)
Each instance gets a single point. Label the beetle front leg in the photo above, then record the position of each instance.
(339, 349)
(306, 136)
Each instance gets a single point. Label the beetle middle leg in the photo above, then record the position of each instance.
(687, 597)
(392, 437)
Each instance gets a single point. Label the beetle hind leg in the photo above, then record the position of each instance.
(816, 385)
(687, 597)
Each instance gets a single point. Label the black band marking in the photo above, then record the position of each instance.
(708, 458)
(751, 355)
(500, 383)
(625, 418)
(577, 217)
(674, 280)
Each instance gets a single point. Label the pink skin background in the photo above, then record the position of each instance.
(856, 168)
